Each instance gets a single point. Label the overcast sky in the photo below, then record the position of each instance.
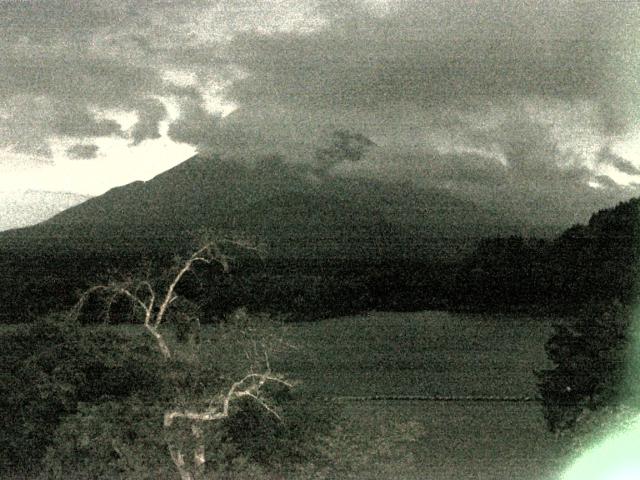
(530, 102)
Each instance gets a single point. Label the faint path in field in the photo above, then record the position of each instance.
(466, 381)
(435, 398)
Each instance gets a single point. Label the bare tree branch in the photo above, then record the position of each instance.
(143, 296)
(235, 392)
(201, 255)
(208, 253)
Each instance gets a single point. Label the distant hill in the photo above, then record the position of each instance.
(23, 208)
(595, 262)
(288, 207)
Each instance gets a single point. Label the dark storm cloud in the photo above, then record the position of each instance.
(83, 151)
(558, 195)
(533, 156)
(79, 58)
(471, 168)
(196, 126)
(30, 121)
(510, 155)
(22, 125)
(607, 157)
(451, 92)
(428, 166)
(412, 76)
(529, 149)
(79, 123)
(74, 88)
(606, 182)
(112, 55)
(445, 52)
(514, 166)
(150, 114)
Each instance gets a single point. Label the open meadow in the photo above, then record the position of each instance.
(430, 354)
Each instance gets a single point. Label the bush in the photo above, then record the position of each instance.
(49, 366)
(590, 354)
(91, 400)
(126, 440)
(256, 435)
(122, 439)
(40, 379)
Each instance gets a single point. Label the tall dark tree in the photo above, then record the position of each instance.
(591, 354)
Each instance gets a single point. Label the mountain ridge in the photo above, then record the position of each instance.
(284, 204)
(335, 245)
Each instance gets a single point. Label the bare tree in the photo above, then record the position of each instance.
(154, 303)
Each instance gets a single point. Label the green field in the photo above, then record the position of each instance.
(430, 353)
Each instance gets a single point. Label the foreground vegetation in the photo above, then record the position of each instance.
(96, 402)
(319, 437)
(90, 403)
(103, 404)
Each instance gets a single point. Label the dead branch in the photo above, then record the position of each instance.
(221, 411)
(143, 296)
(178, 460)
(219, 408)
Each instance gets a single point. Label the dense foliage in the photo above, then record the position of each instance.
(597, 262)
(305, 289)
(125, 439)
(90, 400)
(110, 439)
(52, 365)
(591, 353)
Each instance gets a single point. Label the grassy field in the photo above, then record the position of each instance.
(445, 441)
(430, 353)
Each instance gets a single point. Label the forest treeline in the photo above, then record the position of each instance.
(592, 263)
(596, 262)
(298, 289)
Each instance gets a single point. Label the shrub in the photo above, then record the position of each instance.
(590, 356)
(39, 385)
(93, 400)
(125, 439)
(49, 366)
(122, 439)
(254, 434)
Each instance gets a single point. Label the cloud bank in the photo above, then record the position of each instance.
(523, 102)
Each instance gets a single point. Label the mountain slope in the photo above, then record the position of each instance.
(287, 207)
(336, 245)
